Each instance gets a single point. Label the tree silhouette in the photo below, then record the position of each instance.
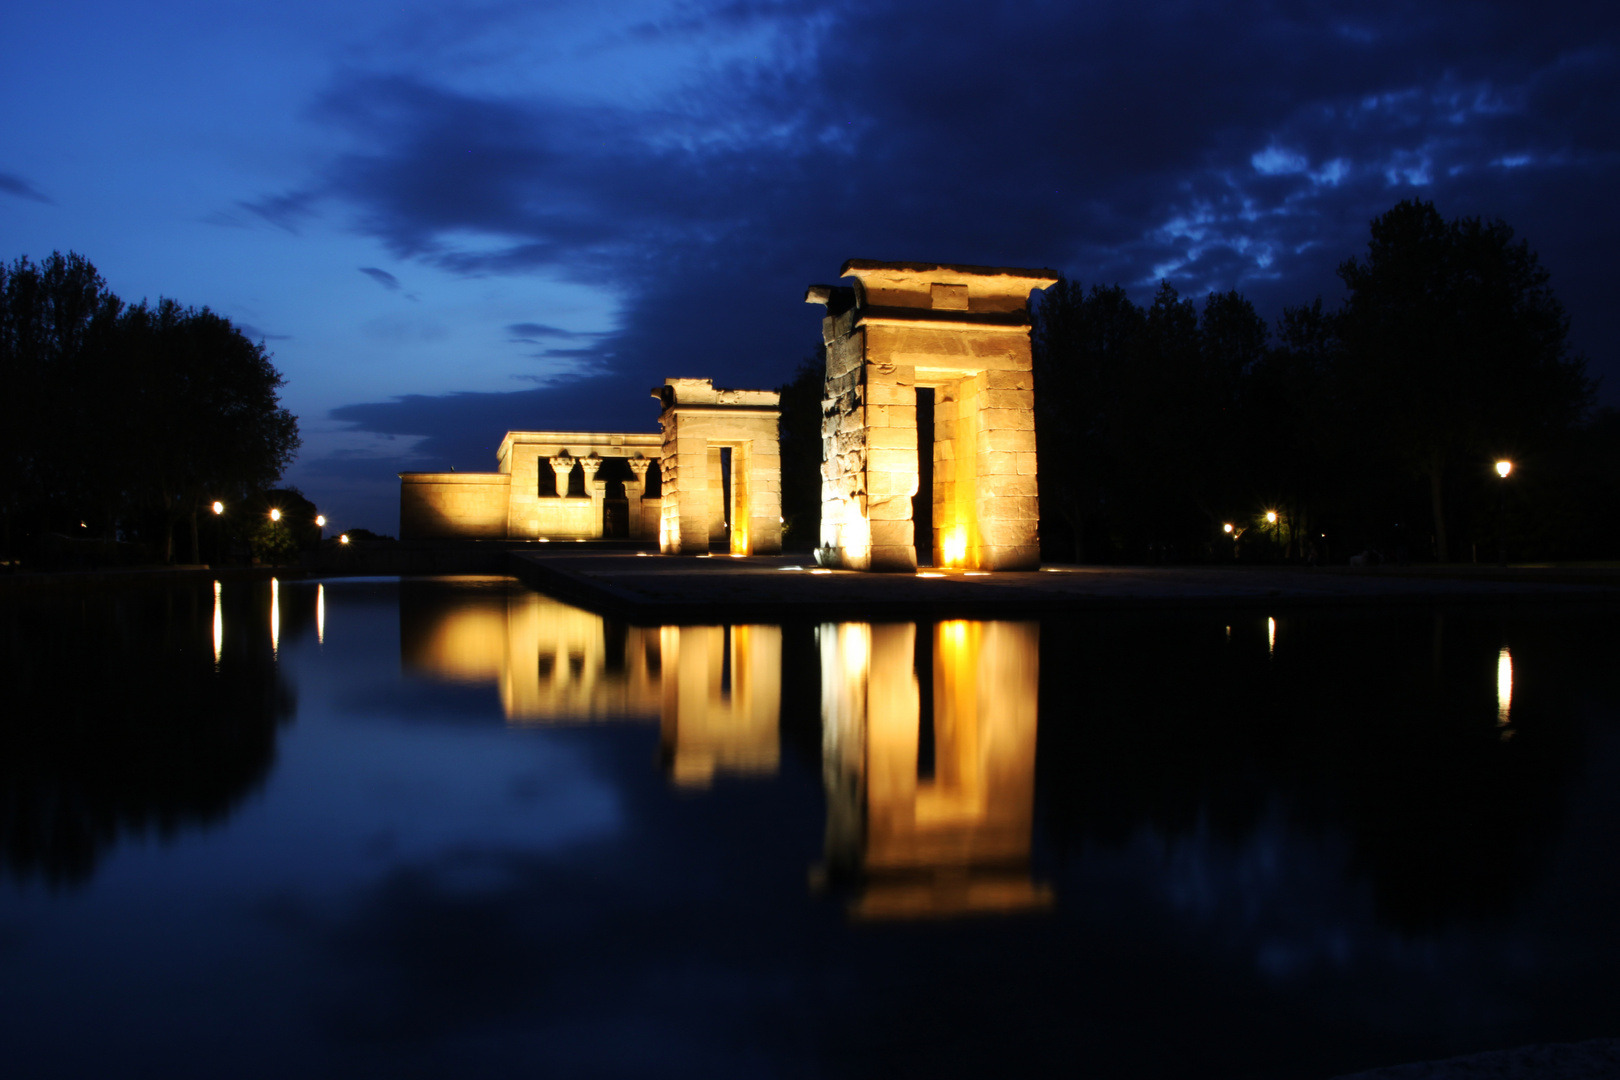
(1455, 346)
(118, 412)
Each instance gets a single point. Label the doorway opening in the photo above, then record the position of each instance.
(922, 503)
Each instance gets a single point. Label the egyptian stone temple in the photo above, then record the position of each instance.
(717, 485)
(928, 427)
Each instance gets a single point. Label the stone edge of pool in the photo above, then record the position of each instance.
(675, 589)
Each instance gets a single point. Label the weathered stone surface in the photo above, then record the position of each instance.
(962, 332)
(521, 501)
(700, 421)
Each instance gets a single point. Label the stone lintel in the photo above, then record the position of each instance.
(956, 287)
(1015, 322)
(605, 443)
(727, 410)
(684, 393)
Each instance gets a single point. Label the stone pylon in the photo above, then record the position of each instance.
(740, 508)
(961, 335)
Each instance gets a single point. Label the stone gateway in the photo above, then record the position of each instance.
(948, 346)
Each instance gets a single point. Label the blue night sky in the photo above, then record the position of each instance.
(447, 221)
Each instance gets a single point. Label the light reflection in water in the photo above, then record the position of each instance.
(219, 627)
(275, 616)
(320, 614)
(1271, 636)
(1504, 687)
(722, 700)
(715, 690)
(955, 842)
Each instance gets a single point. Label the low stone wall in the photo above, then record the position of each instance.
(450, 505)
(562, 518)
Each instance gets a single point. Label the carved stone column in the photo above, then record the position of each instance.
(562, 465)
(596, 489)
(635, 490)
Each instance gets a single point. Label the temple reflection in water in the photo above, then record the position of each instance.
(930, 803)
(715, 690)
(930, 782)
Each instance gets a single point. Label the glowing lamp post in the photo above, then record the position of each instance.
(1503, 467)
(219, 508)
(320, 523)
(275, 515)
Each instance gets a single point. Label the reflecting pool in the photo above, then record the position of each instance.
(452, 827)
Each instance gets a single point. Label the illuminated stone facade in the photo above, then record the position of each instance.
(530, 497)
(961, 332)
(737, 510)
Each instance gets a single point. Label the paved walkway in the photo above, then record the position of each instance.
(681, 588)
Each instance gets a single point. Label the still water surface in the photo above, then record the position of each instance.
(371, 827)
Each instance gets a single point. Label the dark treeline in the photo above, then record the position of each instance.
(1371, 428)
(125, 422)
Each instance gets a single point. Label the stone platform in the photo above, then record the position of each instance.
(649, 588)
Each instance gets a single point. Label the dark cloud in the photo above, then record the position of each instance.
(530, 333)
(253, 333)
(381, 277)
(12, 184)
(1242, 146)
(284, 211)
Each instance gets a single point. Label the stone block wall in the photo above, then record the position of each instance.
(532, 459)
(964, 332)
(453, 505)
(699, 420)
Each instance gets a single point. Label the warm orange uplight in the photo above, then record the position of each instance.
(928, 573)
(219, 508)
(953, 547)
(275, 515)
(1504, 687)
(1503, 468)
(1271, 517)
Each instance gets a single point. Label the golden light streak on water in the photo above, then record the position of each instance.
(219, 627)
(953, 839)
(1271, 636)
(320, 614)
(1504, 687)
(275, 617)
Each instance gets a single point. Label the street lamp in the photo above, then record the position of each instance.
(275, 515)
(1271, 517)
(1503, 467)
(219, 508)
(1226, 528)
